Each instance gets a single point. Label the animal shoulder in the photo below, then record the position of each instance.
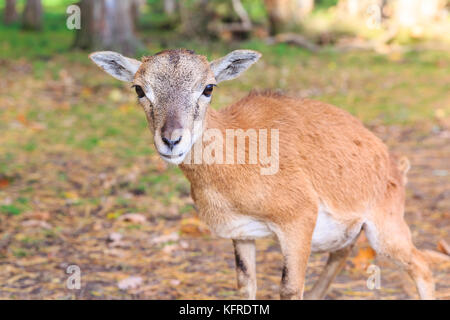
(273, 110)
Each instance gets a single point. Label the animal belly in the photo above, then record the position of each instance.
(331, 235)
(242, 228)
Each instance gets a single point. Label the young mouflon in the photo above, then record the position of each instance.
(333, 177)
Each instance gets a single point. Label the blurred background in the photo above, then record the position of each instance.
(81, 184)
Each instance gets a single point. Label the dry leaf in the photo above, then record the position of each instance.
(36, 224)
(114, 237)
(443, 247)
(129, 283)
(171, 248)
(4, 183)
(193, 227)
(97, 226)
(41, 215)
(133, 217)
(166, 238)
(363, 258)
(115, 95)
(175, 282)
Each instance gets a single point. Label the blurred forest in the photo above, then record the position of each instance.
(81, 183)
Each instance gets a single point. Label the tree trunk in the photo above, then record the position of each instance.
(359, 8)
(135, 12)
(285, 14)
(32, 15)
(195, 18)
(406, 13)
(410, 13)
(10, 12)
(107, 25)
(170, 7)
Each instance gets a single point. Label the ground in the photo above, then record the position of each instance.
(80, 183)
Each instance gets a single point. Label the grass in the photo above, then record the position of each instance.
(76, 153)
(56, 104)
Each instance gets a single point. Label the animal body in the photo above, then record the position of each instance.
(333, 178)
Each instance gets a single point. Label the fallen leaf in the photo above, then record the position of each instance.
(175, 282)
(443, 247)
(4, 183)
(86, 92)
(115, 240)
(129, 283)
(171, 248)
(125, 108)
(193, 227)
(166, 238)
(114, 237)
(133, 217)
(40, 215)
(71, 195)
(22, 119)
(363, 258)
(115, 95)
(97, 226)
(36, 126)
(36, 224)
(161, 166)
(184, 244)
(115, 253)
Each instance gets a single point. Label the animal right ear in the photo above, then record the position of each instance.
(115, 64)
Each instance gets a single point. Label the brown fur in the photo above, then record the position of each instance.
(326, 155)
(324, 152)
(331, 168)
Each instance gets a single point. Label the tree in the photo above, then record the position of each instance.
(107, 25)
(195, 18)
(410, 13)
(32, 15)
(402, 13)
(213, 19)
(135, 11)
(10, 12)
(170, 7)
(285, 14)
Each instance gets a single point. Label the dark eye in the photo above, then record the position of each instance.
(140, 93)
(208, 90)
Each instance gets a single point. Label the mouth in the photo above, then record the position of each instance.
(173, 159)
(168, 156)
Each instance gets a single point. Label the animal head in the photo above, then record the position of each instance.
(174, 87)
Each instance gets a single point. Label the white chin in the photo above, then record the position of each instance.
(173, 159)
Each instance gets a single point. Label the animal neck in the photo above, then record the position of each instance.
(214, 120)
(196, 166)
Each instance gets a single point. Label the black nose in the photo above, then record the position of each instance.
(171, 143)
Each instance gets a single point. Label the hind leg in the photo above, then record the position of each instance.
(335, 263)
(389, 235)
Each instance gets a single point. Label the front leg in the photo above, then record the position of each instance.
(295, 242)
(244, 251)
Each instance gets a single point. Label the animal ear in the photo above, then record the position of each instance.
(115, 64)
(233, 64)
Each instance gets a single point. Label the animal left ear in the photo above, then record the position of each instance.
(233, 64)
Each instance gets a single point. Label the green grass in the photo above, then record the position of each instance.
(10, 210)
(85, 114)
(50, 51)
